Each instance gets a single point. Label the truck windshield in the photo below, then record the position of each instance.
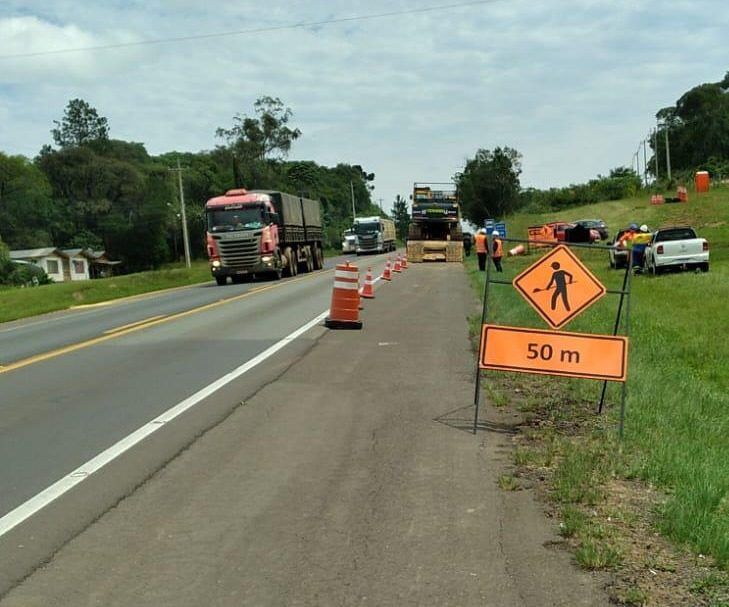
(367, 228)
(228, 220)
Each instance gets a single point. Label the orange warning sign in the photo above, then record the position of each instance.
(559, 286)
(567, 354)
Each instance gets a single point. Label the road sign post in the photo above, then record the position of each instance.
(559, 287)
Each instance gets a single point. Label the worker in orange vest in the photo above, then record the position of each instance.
(497, 250)
(481, 248)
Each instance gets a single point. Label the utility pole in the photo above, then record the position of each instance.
(668, 157)
(655, 147)
(354, 213)
(645, 164)
(380, 199)
(185, 237)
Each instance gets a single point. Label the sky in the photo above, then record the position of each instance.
(573, 85)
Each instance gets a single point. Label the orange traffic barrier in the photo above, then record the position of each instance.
(397, 267)
(387, 275)
(682, 194)
(657, 199)
(368, 290)
(517, 250)
(344, 311)
(404, 263)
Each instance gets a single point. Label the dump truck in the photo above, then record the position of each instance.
(262, 233)
(374, 235)
(434, 233)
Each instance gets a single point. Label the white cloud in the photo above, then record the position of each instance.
(572, 84)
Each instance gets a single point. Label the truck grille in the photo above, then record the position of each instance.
(240, 253)
(367, 243)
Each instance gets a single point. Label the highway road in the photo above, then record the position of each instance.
(73, 384)
(342, 470)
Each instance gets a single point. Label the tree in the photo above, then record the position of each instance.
(401, 215)
(267, 136)
(489, 185)
(80, 124)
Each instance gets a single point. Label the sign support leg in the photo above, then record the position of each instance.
(615, 328)
(484, 312)
(627, 334)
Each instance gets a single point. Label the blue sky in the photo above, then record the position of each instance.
(571, 84)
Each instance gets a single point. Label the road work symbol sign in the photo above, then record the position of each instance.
(548, 353)
(559, 286)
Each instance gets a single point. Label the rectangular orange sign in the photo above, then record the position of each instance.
(550, 353)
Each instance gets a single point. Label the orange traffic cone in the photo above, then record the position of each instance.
(344, 311)
(404, 263)
(368, 290)
(386, 275)
(397, 267)
(517, 250)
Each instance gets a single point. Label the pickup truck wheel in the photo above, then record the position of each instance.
(705, 266)
(221, 280)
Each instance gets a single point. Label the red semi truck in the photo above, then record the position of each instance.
(262, 232)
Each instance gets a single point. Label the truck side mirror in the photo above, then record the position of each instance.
(273, 218)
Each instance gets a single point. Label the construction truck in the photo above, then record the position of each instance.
(262, 232)
(434, 233)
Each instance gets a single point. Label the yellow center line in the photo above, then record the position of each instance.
(133, 324)
(150, 322)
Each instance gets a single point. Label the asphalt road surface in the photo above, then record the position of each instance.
(338, 472)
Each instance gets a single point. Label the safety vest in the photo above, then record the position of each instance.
(480, 243)
(498, 248)
(640, 238)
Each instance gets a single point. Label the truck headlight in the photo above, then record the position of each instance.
(266, 259)
(216, 264)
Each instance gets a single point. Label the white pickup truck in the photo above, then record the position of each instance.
(676, 247)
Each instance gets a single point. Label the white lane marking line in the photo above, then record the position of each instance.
(27, 509)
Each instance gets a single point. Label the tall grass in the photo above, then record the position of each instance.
(677, 425)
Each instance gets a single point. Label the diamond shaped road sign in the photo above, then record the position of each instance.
(559, 286)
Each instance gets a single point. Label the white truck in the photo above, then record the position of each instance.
(374, 235)
(349, 241)
(676, 247)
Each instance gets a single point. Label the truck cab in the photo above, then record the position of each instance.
(374, 235)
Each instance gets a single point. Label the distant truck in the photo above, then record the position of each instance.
(349, 241)
(374, 235)
(262, 232)
(434, 233)
(676, 247)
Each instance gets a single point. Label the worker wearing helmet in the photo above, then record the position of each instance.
(497, 250)
(481, 249)
(638, 243)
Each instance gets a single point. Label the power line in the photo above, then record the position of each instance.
(259, 30)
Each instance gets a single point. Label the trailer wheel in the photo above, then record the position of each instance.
(318, 258)
(291, 269)
(309, 260)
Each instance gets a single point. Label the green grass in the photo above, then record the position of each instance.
(677, 424)
(18, 303)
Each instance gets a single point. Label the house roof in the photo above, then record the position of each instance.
(76, 252)
(36, 253)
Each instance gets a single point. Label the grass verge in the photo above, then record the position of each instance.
(670, 474)
(22, 303)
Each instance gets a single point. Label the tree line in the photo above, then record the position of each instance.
(88, 190)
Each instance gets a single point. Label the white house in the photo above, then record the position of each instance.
(76, 266)
(49, 258)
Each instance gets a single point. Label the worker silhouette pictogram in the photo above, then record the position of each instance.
(560, 279)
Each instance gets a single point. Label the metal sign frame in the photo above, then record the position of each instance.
(622, 314)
